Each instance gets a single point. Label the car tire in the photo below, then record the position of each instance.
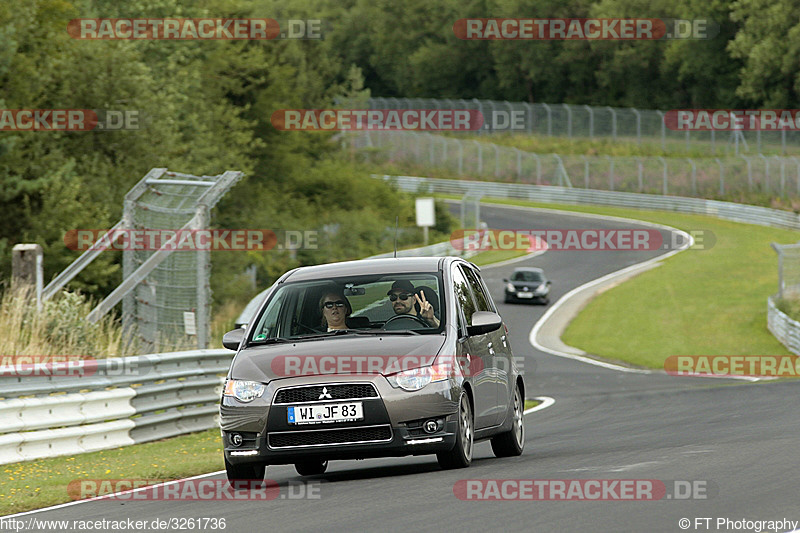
(244, 472)
(461, 454)
(512, 442)
(311, 468)
(507, 300)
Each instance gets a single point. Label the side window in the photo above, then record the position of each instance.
(463, 294)
(268, 327)
(481, 299)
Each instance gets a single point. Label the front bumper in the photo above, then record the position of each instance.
(392, 424)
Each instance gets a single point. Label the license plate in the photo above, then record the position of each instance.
(524, 295)
(329, 412)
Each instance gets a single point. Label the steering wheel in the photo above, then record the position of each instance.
(399, 317)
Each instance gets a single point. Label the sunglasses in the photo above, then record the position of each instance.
(404, 296)
(331, 305)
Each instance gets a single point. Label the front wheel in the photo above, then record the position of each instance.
(511, 443)
(311, 468)
(240, 473)
(461, 454)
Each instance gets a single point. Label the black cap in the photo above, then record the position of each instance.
(401, 284)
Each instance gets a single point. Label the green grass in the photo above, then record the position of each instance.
(699, 302)
(488, 257)
(37, 484)
(531, 403)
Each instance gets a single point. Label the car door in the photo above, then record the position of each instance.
(480, 367)
(484, 388)
(499, 348)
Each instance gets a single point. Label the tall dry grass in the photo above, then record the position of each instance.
(60, 328)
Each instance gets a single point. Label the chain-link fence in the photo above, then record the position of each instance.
(696, 177)
(616, 123)
(788, 270)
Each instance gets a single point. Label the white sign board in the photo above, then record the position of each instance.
(426, 216)
(189, 323)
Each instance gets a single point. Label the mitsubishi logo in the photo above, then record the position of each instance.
(325, 394)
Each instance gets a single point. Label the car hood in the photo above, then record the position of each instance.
(348, 354)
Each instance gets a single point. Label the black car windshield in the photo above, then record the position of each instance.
(355, 305)
(522, 275)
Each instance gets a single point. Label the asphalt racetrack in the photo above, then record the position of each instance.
(735, 443)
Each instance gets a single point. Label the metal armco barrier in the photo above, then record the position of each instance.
(748, 214)
(117, 402)
(784, 328)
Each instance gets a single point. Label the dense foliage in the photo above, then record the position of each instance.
(206, 105)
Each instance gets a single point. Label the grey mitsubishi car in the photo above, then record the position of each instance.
(371, 358)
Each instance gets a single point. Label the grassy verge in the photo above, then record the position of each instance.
(37, 484)
(699, 302)
(531, 403)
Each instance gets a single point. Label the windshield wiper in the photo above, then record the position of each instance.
(271, 340)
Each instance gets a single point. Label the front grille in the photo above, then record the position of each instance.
(337, 392)
(331, 436)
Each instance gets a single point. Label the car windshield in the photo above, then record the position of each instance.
(526, 276)
(355, 305)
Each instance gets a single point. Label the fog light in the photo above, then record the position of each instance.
(236, 439)
(431, 426)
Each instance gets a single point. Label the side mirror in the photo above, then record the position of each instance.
(233, 339)
(505, 280)
(484, 322)
(548, 282)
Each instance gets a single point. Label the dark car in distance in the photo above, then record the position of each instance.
(371, 358)
(527, 284)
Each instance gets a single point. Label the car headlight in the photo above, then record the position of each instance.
(510, 287)
(417, 378)
(542, 289)
(244, 391)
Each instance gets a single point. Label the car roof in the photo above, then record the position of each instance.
(528, 269)
(369, 266)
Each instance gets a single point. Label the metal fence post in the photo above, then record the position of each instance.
(664, 176)
(460, 157)
(569, 120)
(538, 168)
(694, 176)
(610, 173)
(639, 171)
(797, 162)
(766, 171)
(638, 125)
(549, 119)
(613, 122)
(529, 109)
(591, 120)
(496, 161)
(585, 172)
(721, 176)
(663, 132)
(783, 172)
(480, 157)
(750, 174)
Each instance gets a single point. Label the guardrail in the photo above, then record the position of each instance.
(110, 403)
(784, 328)
(563, 195)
